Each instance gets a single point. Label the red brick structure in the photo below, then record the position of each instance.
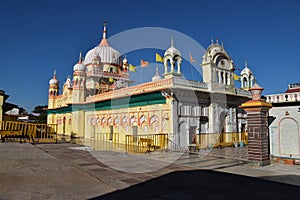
(257, 119)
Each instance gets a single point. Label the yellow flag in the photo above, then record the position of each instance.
(236, 77)
(111, 80)
(159, 58)
(132, 68)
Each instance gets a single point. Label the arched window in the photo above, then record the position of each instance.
(245, 82)
(222, 77)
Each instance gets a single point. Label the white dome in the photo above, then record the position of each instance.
(53, 82)
(172, 50)
(106, 54)
(246, 71)
(156, 76)
(79, 67)
(213, 50)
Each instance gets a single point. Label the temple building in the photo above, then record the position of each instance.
(98, 98)
(284, 123)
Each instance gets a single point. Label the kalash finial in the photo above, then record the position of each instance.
(104, 29)
(172, 41)
(212, 41)
(54, 74)
(80, 58)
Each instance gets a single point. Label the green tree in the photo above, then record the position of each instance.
(42, 111)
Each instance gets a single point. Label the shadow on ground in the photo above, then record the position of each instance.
(206, 184)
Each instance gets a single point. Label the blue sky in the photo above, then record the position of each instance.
(37, 37)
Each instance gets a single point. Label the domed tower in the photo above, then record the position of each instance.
(104, 67)
(79, 81)
(217, 66)
(53, 91)
(172, 58)
(247, 78)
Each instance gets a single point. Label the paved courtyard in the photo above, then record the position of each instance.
(71, 171)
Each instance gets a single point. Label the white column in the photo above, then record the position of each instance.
(172, 66)
(166, 67)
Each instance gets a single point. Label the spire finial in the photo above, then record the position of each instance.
(80, 58)
(104, 29)
(246, 64)
(222, 44)
(217, 41)
(212, 40)
(156, 72)
(54, 74)
(172, 41)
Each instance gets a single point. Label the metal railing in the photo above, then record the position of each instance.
(113, 137)
(226, 139)
(146, 143)
(33, 132)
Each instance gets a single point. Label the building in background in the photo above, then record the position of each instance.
(8, 111)
(98, 97)
(284, 123)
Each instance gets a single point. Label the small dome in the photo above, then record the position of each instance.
(213, 51)
(79, 66)
(172, 50)
(54, 81)
(156, 76)
(246, 70)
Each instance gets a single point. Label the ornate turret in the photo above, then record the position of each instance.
(79, 66)
(217, 65)
(247, 78)
(53, 90)
(53, 85)
(172, 57)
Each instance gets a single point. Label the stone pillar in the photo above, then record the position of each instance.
(178, 65)
(257, 120)
(166, 67)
